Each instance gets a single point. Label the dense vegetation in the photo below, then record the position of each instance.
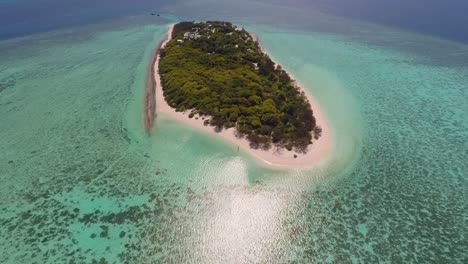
(219, 72)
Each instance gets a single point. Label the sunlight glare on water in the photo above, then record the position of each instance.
(81, 181)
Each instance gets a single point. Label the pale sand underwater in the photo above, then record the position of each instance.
(275, 157)
(76, 162)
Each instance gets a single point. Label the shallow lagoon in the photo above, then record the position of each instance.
(81, 180)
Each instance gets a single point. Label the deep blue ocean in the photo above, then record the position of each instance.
(81, 181)
(445, 19)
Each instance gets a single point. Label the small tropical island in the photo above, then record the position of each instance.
(215, 76)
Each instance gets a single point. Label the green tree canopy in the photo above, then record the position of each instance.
(218, 70)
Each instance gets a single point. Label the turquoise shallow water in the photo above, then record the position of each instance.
(81, 181)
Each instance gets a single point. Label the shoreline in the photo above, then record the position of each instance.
(276, 158)
(149, 104)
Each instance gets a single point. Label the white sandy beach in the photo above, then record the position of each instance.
(280, 158)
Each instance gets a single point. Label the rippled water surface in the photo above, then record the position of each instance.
(82, 182)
